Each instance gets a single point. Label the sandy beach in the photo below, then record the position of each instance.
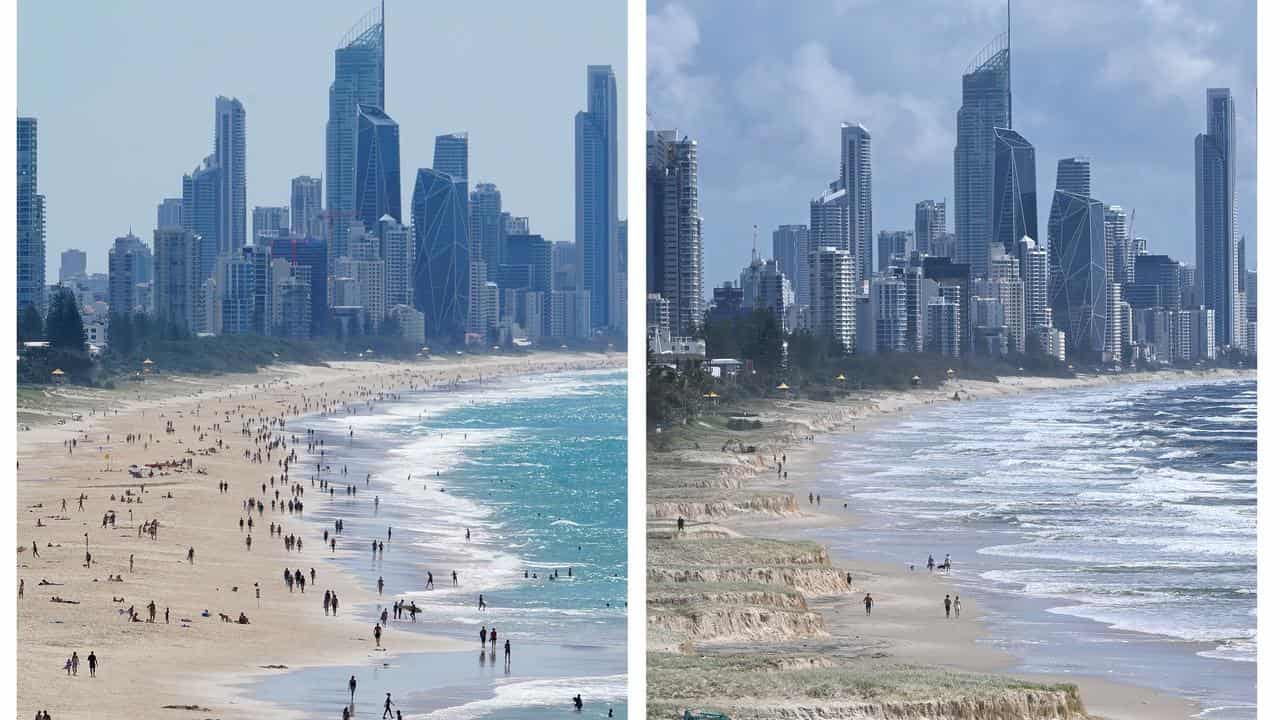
(187, 666)
(790, 603)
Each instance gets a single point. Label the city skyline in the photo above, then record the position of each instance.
(149, 152)
(730, 90)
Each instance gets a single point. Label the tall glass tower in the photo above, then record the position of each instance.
(596, 195)
(30, 226)
(441, 273)
(1219, 285)
(377, 181)
(451, 153)
(359, 78)
(1013, 193)
(1078, 272)
(986, 104)
(229, 154)
(855, 178)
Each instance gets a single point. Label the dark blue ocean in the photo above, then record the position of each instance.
(535, 467)
(1107, 531)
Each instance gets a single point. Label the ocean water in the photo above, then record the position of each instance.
(535, 468)
(1104, 531)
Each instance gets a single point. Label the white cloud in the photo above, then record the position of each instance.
(677, 95)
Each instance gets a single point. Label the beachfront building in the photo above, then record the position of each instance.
(306, 211)
(359, 78)
(409, 324)
(395, 250)
(201, 211)
(791, 250)
(487, 227)
(1077, 271)
(955, 281)
(674, 228)
(657, 311)
(234, 294)
(308, 258)
(596, 196)
(1219, 283)
(30, 227)
(855, 179)
(831, 309)
(1115, 226)
(942, 323)
(128, 268)
(931, 226)
(1006, 286)
(377, 177)
(1013, 195)
(829, 219)
(229, 155)
(1034, 266)
(178, 281)
(986, 104)
(442, 265)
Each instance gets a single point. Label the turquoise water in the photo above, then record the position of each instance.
(535, 468)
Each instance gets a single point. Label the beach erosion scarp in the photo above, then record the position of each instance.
(746, 619)
(189, 661)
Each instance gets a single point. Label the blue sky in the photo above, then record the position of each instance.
(124, 93)
(763, 86)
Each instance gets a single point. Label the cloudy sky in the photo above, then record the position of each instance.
(124, 93)
(763, 85)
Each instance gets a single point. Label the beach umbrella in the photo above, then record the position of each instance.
(58, 371)
(915, 379)
(148, 362)
(840, 377)
(783, 386)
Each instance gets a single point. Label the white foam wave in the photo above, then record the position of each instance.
(550, 693)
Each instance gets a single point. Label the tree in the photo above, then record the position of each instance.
(30, 324)
(64, 326)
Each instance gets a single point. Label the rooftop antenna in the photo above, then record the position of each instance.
(1008, 44)
(755, 232)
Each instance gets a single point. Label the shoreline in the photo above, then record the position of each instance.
(145, 667)
(905, 627)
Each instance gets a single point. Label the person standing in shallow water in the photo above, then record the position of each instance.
(946, 606)
(868, 603)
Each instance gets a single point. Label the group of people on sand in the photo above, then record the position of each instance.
(72, 665)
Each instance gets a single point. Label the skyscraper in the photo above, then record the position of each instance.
(73, 264)
(831, 311)
(855, 179)
(931, 226)
(451, 156)
(169, 213)
(229, 154)
(1115, 224)
(486, 228)
(359, 78)
(1077, 273)
(829, 218)
(1075, 176)
(1013, 193)
(396, 251)
(269, 222)
(30, 224)
(123, 262)
(791, 250)
(305, 208)
(177, 262)
(309, 259)
(893, 247)
(986, 104)
(377, 180)
(674, 227)
(1219, 286)
(442, 262)
(201, 212)
(596, 195)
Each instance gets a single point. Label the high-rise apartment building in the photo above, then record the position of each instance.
(451, 156)
(791, 250)
(169, 213)
(359, 78)
(127, 255)
(1077, 273)
(229, 154)
(986, 104)
(487, 227)
(1219, 284)
(177, 277)
(674, 227)
(269, 222)
(72, 264)
(30, 223)
(831, 309)
(1013, 194)
(893, 248)
(306, 209)
(442, 265)
(855, 178)
(377, 179)
(931, 226)
(596, 195)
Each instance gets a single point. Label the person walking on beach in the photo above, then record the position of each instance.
(955, 606)
(506, 654)
(379, 585)
(377, 635)
(75, 664)
(930, 563)
(481, 605)
(351, 685)
(93, 665)
(484, 634)
(431, 584)
(493, 639)
(455, 578)
(946, 605)
(868, 602)
(333, 603)
(386, 707)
